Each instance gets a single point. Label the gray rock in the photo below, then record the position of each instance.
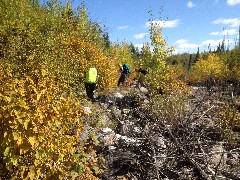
(146, 101)
(117, 113)
(118, 95)
(233, 159)
(106, 130)
(218, 156)
(125, 111)
(160, 142)
(144, 90)
(87, 110)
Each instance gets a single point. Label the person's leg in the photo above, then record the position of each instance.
(124, 79)
(91, 90)
(119, 82)
(121, 79)
(87, 87)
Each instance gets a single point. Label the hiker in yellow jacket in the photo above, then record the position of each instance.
(90, 82)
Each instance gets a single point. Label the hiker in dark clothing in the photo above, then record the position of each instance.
(90, 82)
(124, 72)
(143, 71)
(141, 76)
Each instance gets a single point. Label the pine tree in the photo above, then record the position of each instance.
(189, 62)
(197, 56)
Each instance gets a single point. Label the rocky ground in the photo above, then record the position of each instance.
(140, 144)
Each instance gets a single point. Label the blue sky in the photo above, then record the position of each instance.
(187, 24)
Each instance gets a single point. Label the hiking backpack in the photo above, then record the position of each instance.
(91, 75)
(126, 68)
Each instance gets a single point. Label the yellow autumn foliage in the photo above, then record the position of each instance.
(209, 70)
(161, 77)
(41, 127)
(87, 54)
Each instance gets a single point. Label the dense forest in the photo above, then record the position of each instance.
(45, 49)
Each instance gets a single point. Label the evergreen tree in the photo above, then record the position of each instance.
(223, 45)
(190, 61)
(197, 56)
(134, 51)
(106, 40)
(218, 48)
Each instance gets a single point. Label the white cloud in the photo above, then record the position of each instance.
(188, 46)
(211, 42)
(182, 45)
(122, 27)
(234, 22)
(225, 32)
(181, 41)
(233, 2)
(164, 24)
(216, 33)
(214, 43)
(230, 41)
(140, 36)
(190, 4)
(139, 46)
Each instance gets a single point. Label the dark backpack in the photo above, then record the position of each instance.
(126, 69)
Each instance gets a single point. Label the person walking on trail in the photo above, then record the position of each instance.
(125, 70)
(90, 82)
(143, 71)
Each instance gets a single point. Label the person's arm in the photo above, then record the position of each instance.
(121, 68)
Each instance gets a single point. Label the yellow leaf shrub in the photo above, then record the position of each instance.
(210, 70)
(122, 53)
(41, 128)
(236, 73)
(87, 54)
(161, 77)
(229, 120)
